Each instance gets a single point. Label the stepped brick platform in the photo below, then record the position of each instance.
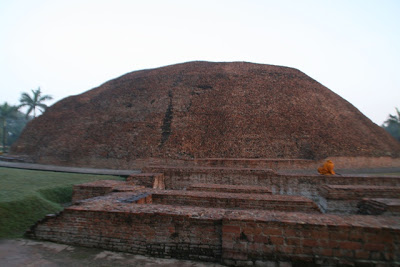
(380, 206)
(229, 215)
(233, 237)
(230, 188)
(345, 198)
(235, 201)
(182, 177)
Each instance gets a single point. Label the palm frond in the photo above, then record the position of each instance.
(42, 107)
(45, 97)
(25, 98)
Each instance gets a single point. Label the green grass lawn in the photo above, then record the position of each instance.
(27, 196)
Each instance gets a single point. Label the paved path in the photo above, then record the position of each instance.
(42, 167)
(32, 253)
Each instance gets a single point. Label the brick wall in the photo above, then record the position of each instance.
(147, 233)
(230, 188)
(345, 199)
(311, 239)
(305, 185)
(233, 237)
(235, 201)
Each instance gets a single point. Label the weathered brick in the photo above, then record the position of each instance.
(310, 242)
(374, 247)
(231, 229)
(350, 245)
(276, 240)
(272, 231)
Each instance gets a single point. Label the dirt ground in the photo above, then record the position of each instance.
(32, 253)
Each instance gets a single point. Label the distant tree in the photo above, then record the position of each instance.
(7, 112)
(34, 102)
(15, 126)
(392, 125)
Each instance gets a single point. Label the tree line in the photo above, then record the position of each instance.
(13, 121)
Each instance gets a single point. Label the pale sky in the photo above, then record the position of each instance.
(70, 46)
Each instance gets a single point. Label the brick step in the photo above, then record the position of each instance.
(354, 192)
(148, 179)
(235, 201)
(230, 188)
(100, 188)
(380, 206)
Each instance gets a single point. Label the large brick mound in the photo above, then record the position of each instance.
(203, 110)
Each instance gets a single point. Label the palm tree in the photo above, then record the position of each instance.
(393, 118)
(6, 112)
(34, 102)
(392, 125)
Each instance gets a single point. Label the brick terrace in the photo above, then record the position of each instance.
(225, 216)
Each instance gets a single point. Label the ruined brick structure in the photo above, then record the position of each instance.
(209, 138)
(203, 110)
(236, 216)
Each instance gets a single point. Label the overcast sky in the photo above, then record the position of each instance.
(70, 46)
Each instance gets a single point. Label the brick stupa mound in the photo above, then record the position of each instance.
(203, 110)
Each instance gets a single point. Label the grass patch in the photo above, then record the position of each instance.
(27, 196)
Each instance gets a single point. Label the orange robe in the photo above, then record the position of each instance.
(327, 169)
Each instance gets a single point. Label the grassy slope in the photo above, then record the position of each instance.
(27, 196)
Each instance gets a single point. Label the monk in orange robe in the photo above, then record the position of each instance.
(327, 168)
